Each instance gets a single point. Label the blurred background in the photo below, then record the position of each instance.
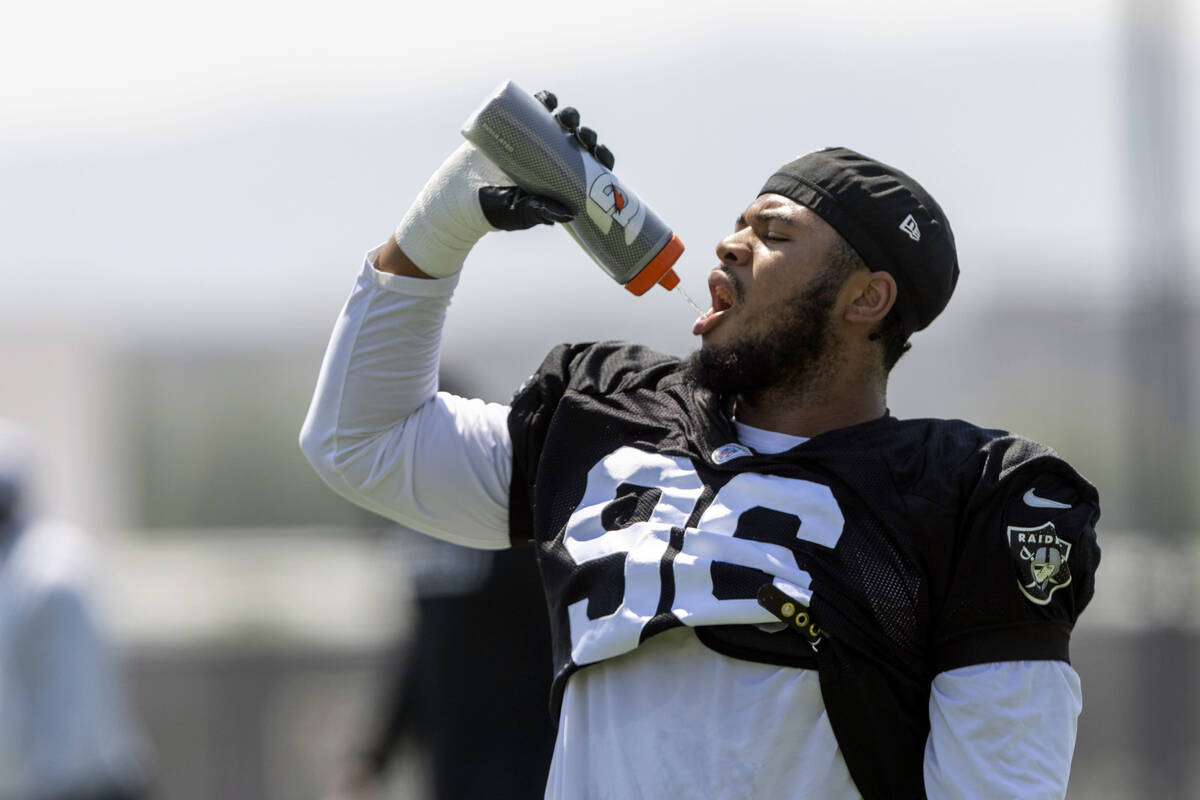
(187, 190)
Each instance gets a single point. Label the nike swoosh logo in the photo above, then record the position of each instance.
(1033, 501)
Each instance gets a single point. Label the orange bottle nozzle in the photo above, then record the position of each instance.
(659, 269)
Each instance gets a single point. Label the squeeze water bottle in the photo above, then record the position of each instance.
(619, 231)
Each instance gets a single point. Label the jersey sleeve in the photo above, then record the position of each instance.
(1024, 560)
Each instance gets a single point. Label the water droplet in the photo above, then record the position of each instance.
(688, 297)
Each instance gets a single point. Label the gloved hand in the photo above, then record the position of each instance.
(568, 118)
(469, 196)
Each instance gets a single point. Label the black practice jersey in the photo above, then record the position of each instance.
(896, 549)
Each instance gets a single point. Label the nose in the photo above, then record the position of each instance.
(733, 251)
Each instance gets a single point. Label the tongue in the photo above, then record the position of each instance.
(706, 322)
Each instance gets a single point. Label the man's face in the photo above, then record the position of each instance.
(773, 299)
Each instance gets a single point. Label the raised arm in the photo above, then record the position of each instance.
(380, 434)
(378, 431)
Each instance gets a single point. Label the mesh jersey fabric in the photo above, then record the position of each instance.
(922, 575)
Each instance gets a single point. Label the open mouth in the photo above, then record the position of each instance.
(721, 290)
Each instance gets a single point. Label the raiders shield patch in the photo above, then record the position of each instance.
(1041, 561)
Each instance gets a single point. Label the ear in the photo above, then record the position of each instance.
(874, 296)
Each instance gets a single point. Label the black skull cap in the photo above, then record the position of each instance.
(886, 216)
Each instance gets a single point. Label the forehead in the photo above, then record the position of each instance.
(776, 207)
(780, 209)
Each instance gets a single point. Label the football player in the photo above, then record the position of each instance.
(66, 731)
(760, 582)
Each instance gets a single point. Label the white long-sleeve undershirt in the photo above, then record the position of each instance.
(381, 435)
(376, 415)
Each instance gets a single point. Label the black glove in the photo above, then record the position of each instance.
(511, 208)
(569, 119)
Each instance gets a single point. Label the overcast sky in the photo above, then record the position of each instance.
(219, 168)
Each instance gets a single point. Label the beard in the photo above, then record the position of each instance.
(796, 352)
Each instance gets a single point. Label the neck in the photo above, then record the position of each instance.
(819, 406)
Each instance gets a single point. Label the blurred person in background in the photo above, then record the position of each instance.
(65, 731)
(468, 691)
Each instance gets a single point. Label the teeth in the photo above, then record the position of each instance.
(721, 291)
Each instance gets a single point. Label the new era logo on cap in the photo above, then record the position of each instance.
(909, 226)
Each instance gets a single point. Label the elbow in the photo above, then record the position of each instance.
(348, 465)
(318, 445)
